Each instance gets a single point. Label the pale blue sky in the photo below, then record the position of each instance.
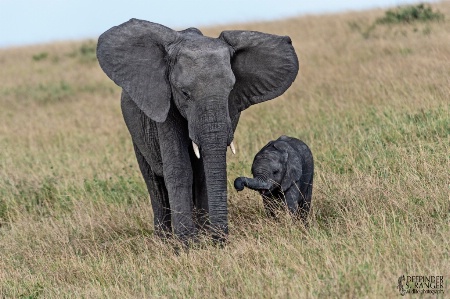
(24, 22)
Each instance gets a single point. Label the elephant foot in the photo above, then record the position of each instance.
(163, 235)
(219, 235)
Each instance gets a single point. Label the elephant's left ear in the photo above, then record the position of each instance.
(265, 65)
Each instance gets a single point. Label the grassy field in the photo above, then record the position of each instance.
(372, 102)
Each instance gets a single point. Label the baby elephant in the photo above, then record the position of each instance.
(283, 174)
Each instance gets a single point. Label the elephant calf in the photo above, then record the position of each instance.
(283, 173)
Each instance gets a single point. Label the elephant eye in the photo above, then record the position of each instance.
(185, 93)
(276, 171)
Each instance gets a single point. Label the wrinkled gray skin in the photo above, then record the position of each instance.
(180, 87)
(283, 172)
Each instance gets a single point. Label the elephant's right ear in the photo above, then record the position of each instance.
(133, 56)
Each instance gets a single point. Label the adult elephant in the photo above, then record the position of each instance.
(182, 94)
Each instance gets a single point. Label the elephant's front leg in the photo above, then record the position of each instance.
(297, 205)
(291, 196)
(200, 193)
(178, 175)
(158, 196)
(144, 134)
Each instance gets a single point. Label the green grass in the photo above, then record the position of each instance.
(86, 53)
(409, 14)
(76, 220)
(416, 17)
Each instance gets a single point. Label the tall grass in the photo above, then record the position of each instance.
(76, 221)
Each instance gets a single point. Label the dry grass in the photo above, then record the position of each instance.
(372, 103)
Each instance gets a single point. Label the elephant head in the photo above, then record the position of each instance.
(276, 167)
(208, 80)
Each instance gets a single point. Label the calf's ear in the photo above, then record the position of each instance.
(293, 164)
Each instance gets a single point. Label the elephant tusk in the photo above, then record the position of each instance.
(196, 150)
(233, 149)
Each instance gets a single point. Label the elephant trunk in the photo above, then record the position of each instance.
(216, 187)
(255, 184)
(216, 134)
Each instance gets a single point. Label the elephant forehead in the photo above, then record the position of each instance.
(269, 157)
(200, 47)
(203, 62)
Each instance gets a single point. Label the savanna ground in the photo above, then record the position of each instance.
(372, 101)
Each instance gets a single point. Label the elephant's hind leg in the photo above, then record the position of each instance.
(158, 196)
(305, 200)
